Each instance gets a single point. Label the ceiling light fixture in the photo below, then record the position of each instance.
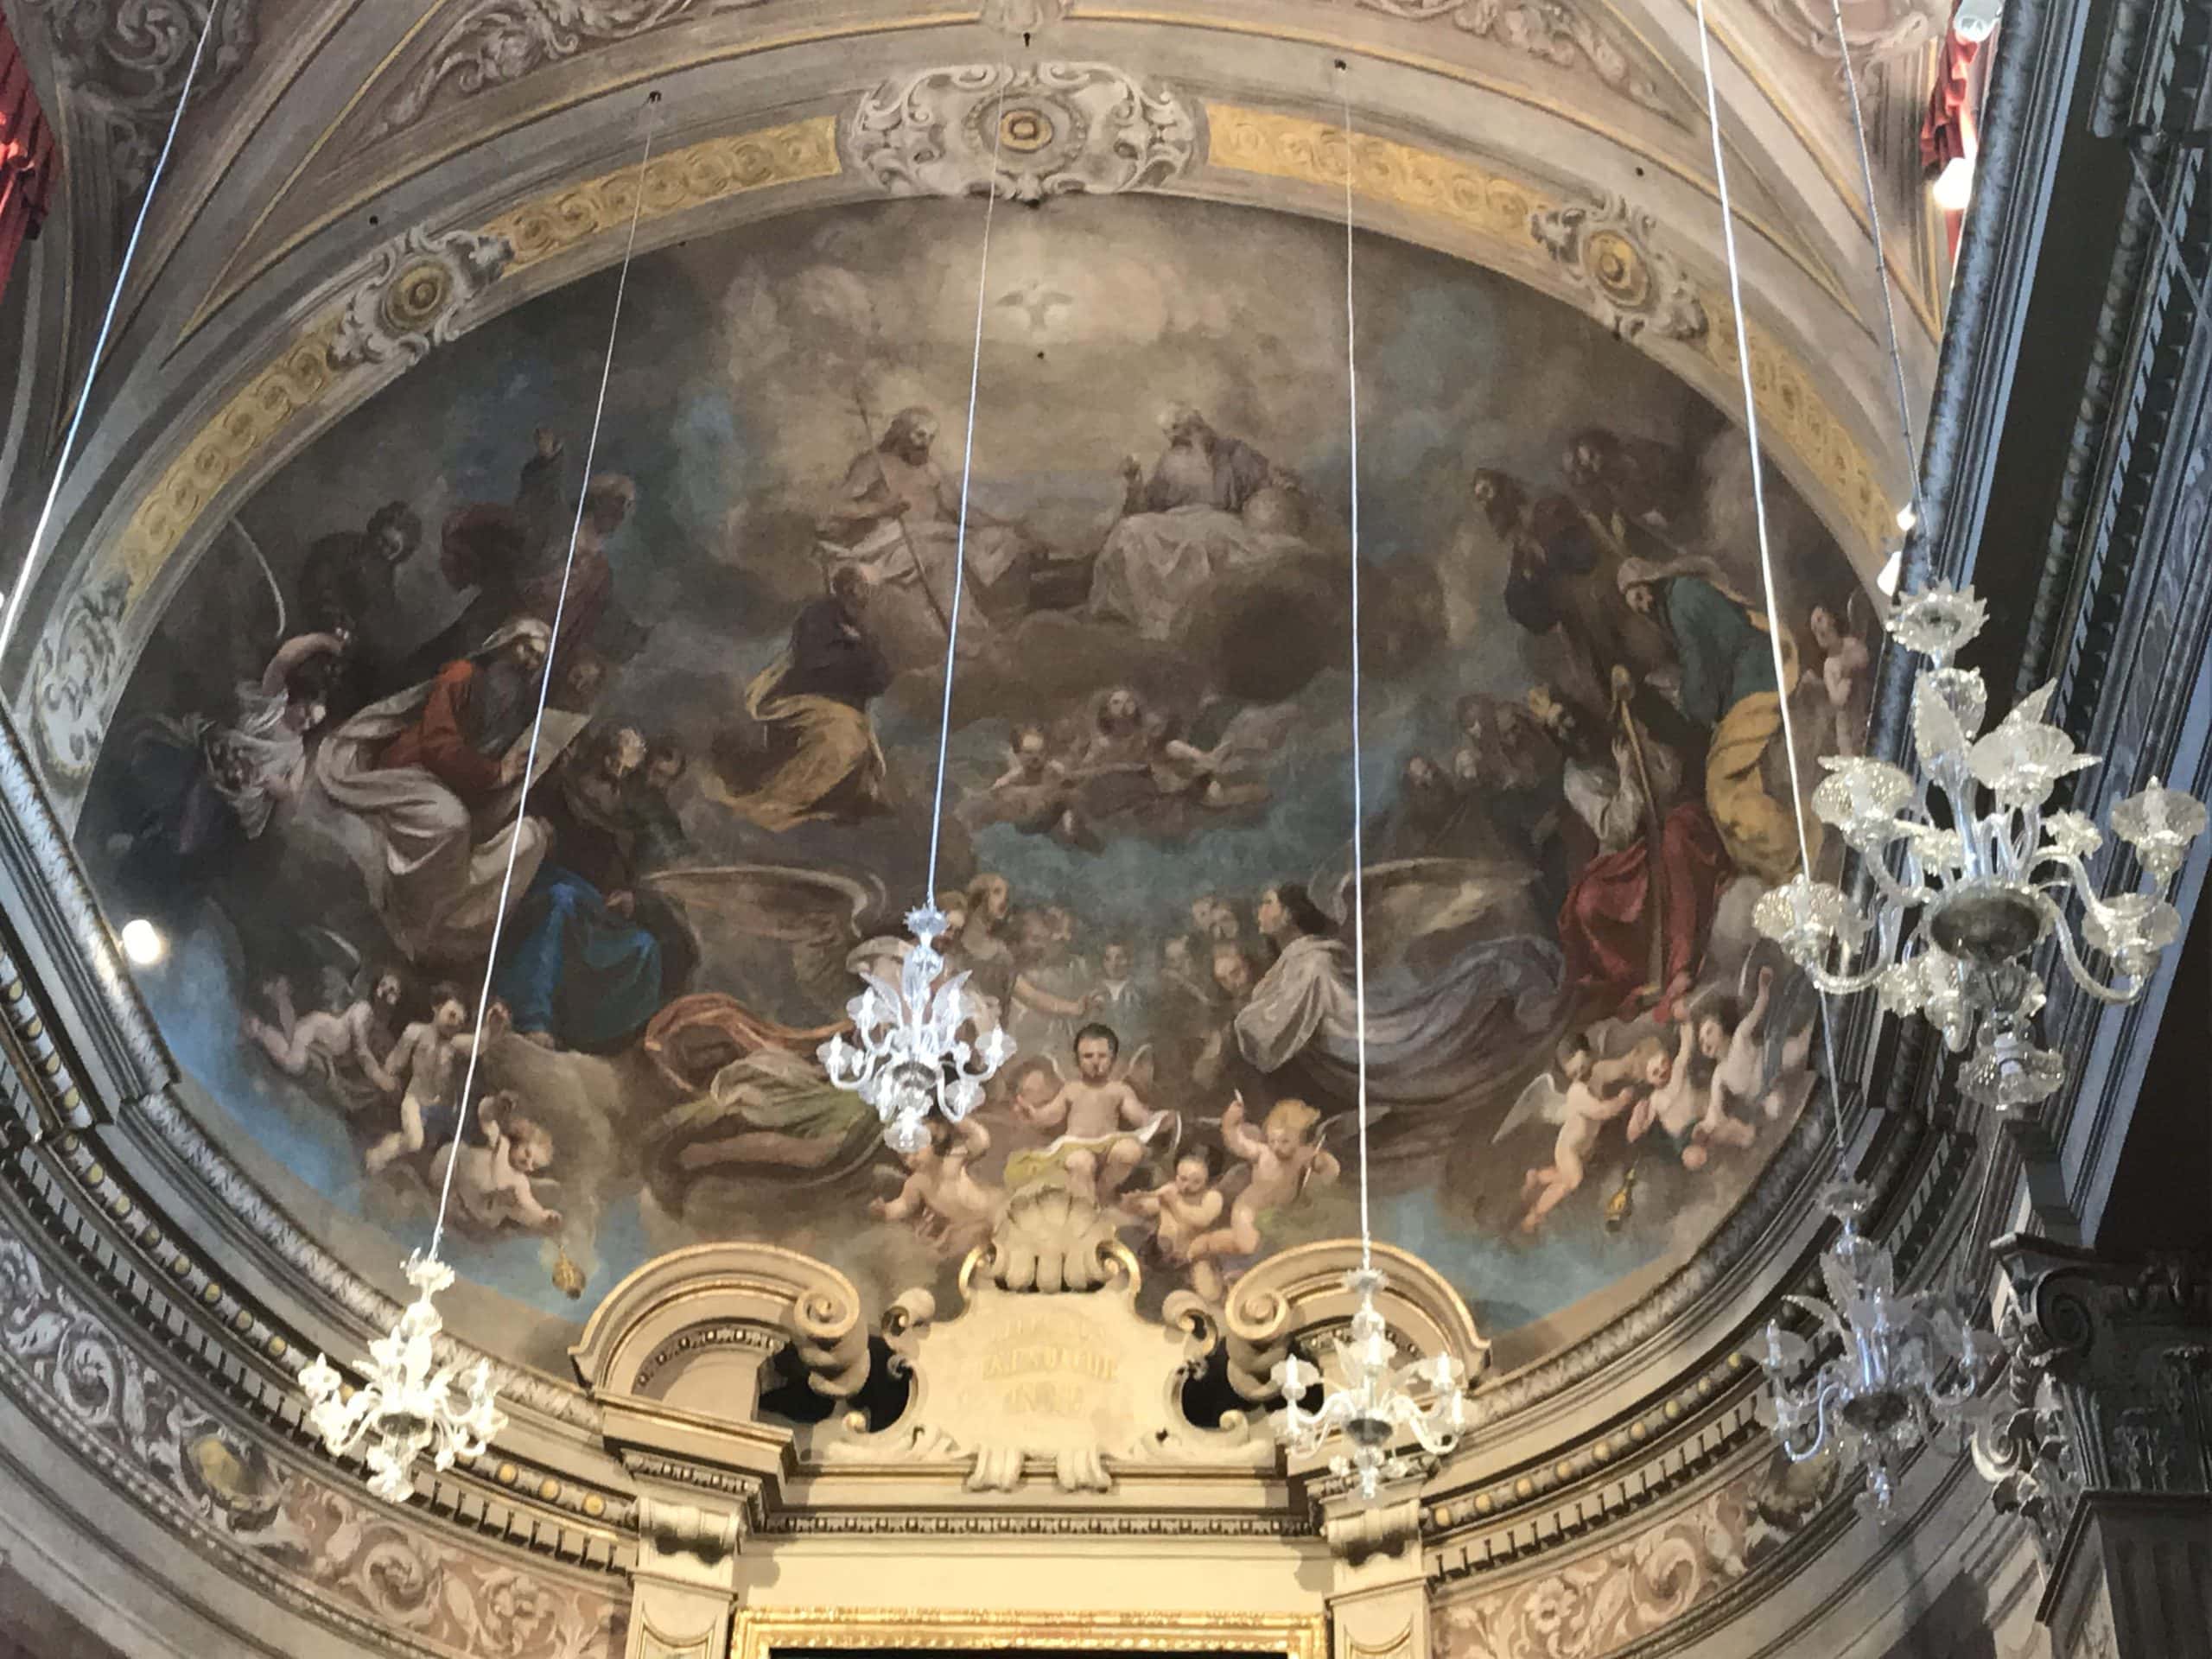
(1954, 187)
(408, 1404)
(142, 943)
(1379, 1397)
(907, 1056)
(1900, 1360)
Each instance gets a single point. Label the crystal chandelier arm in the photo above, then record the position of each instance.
(1797, 1450)
(2116, 996)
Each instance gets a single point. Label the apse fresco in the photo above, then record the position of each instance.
(1574, 784)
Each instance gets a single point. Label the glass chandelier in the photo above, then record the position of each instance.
(1976, 887)
(407, 1408)
(910, 1055)
(1376, 1397)
(1899, 1366)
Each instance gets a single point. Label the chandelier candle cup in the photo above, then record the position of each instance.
(1970, 871)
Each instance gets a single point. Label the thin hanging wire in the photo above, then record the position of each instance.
(1881, 264)
(1359, 802)
(1766, 550)
(2173, 238)
(28, 574)
(546, 683)
(967, 472)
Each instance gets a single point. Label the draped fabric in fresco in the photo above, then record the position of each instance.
(1575, 781)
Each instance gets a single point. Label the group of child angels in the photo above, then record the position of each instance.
(1089, 1134)
(1722, 1061)
(418, 1079)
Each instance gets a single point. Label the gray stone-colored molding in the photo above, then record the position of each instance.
(493, 43)
(1557, 32)
(1898, 28)
(1028, 131)
(128, 59)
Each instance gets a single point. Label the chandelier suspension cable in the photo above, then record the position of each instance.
(1359, 802)
(545, 678)
(967, 473)
(29, 574)
(1881, 270)
(1766, 552)
(2170, 238)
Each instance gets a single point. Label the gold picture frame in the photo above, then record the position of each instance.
(759, 1632)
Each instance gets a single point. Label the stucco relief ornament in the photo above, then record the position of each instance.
(1607, 250)
(406, 1407)
(414, 294)
(1874, 29)
(1025, 132)
(907, 1056)
(1899, 1370)
(1969, 869)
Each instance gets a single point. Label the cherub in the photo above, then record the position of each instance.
(1674, 1100)
(1844, 664)
(325, 1039)
(950, 1209)
(429, 1056)
(1765, 1058)
(1092, 1115)
(1035, 793)
(494, 1183)
(1588, 1103)
(1731, 1041)
(1184, 1207)
(1284, 1156)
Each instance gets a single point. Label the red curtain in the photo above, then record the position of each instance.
(26, 157)
(1947, 129)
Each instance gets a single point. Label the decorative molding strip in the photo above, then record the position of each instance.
(1553, 31)
(761, 1633)
(1027, 131)
(493, 43)
(1036, 1524)
(712, 170)
(317, 1547)
(1518, 219)
(1893, 29)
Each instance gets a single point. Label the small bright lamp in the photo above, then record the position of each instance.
(1954, 186)
(142, 943)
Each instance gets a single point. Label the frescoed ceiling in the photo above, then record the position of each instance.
(365, 322)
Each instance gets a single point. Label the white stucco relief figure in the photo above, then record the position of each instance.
(1056, 129)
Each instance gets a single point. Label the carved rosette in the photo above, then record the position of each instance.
(128, 59)
(1056, 129)
(415, 294)
(1608, 251)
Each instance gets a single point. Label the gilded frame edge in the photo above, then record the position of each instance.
(757, 1633)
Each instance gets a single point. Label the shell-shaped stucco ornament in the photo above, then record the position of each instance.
(1608, 252)
(1056, 130)
(414, 294)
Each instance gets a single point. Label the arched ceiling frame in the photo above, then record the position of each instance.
(523, 187)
